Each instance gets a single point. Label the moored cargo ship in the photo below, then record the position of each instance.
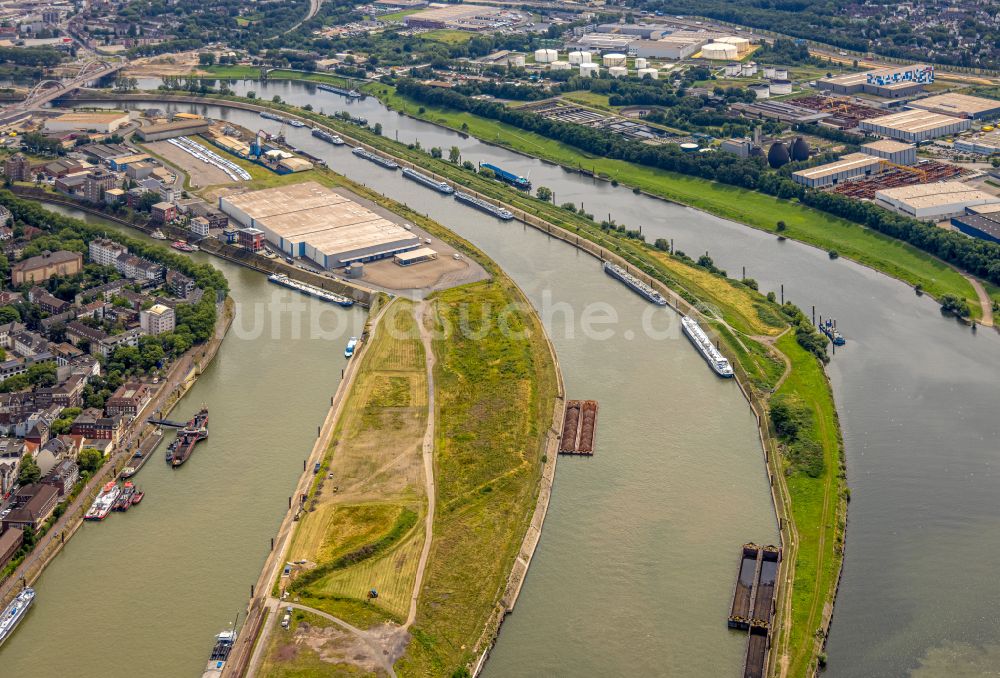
(388, 163)
(349, 93)
(644, 290)
(327, 137)
(508, 177)
(220, 654)
(496, 211)
(718, 362)
(429, 182)
(193, 433)
(311, 290)
(270, 116)
(14, 613)
(105, 500)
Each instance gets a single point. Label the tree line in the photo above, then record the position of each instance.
(980, 257)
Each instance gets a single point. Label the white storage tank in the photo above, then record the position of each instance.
(640, 62)
(614, 59)
(761, 91)
(515, 59)
(689, 147)
(780, 74)
(590, 70)
(719, 51)
(742, 45)
(769, 72)
(733, 70)
(546, 56)
(575, 58)
(559, 65)
(650, 73)
(749, 69)
(781, 86)
(618, 72)
(586, 57)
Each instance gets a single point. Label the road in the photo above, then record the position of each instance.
(313, 9)
(44, 96)
(70, 520)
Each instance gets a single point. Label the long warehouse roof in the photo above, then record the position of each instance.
(914, 121)
(847, 163)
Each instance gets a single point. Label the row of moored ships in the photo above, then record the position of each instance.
(267, 115)
(310, 290)
(719, 364)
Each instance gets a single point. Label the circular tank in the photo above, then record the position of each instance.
(575, 58)
(762, 91)
(650, 73)
(516, 60)
(546, 56)
(689, 147)
(781, 86)
(719, 50)
(799, 150)
(590, 70)
(640, 62)
(781, 73)
(559, 65)
(769, 72)
(618, 72)
(614, 59)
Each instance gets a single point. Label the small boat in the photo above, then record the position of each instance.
(830, 330)
(128, 472)
(137, 497)
(351, 345)
(157, 235)
(183, 246)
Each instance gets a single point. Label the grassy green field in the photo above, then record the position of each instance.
(398, 16)
(253, 73)
(494, 404)
(449, 37)
(818, 508)
(761, 211)
(311, 646)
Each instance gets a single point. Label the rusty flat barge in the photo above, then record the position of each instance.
(746, 576)
(579, 424)
(753, 603)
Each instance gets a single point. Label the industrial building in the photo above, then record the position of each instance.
(915, 125)
(465, 18)
(105, 122)
(960, 106)
(415, 256)
(895, 152)
(982, 226)
(851, 166)
(933, 201)
(311, 221)
(777, 110)
(983, 144)
(891, 83)
(170, 130)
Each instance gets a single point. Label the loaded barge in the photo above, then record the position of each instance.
(644, 290)
(496, 211)
(439, 186)
(579, 423)
(507, 177)
(311, 290)
(220, 654)
(193, 433)
(753, 603)
(349, 93)
(706, 348)
(327, 137)
(388, 163)
(14, 613)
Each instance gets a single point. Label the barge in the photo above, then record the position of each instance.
(503, 175)
(310, 290)
(193, 433)
(388, 163)
(739, 614)
(349, 93)
(644, 290)
(267, 115)
(429, 182)
(327, 137)
(498, 212)
(579, 424)
(104, 502)
(224, 643)
(719, 364)
(15, 612)
(763, 606)
(352, 344)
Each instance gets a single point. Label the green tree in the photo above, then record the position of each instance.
(455, 154)
(251, 95)
(436, 152)
(28, 472)
(377, 129)
(206, 59)
(9, 314)
(90, 459)
(544, 193)
(276, 99)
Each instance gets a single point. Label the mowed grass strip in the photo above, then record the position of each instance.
(494, 392)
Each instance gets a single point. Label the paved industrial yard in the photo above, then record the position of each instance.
(199, 173)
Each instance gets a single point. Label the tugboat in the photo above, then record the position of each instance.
(351, 345)
(183, 246)
(157, 235)
(193, 433)
(124, 501)
(137, 497)
(829, 329)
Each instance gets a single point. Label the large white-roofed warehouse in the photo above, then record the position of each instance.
(309, 220)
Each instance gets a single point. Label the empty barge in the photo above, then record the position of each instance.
(739, 615)
(753, 603)
(579, 423)
(496, 211)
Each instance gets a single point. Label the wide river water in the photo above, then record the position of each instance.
(634, 572)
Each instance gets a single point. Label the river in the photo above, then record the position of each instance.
(916, 395)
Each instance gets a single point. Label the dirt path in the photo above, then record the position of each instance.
(422, 315)
(984, 301)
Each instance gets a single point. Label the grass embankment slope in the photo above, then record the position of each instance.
(759, 210)
(363, 526)
(495, 387)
